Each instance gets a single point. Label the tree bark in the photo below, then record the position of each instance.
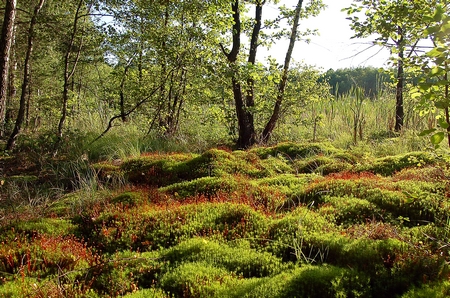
(267, 132)
(399, 111)
(70, 67)
(26, 78)
(246, 128)
(5, 47)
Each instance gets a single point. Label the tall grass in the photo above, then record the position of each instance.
(352, 121)
(347, 122)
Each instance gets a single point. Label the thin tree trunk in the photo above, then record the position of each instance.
(5, 48)
(447, 97)
(267, 132)
(69, 69)
(399, 111)
(26, 78)
(246, 129)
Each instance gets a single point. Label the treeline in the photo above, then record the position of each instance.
(372, 80)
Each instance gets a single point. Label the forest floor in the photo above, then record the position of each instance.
(291, 220)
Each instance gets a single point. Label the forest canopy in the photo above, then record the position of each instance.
(91, 65)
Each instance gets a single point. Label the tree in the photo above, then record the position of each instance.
(165, 44)
(72, 56)
(5, 46)
(370, 79)
(397, 26)
(26, 76)
(244, 94)
(434, 67)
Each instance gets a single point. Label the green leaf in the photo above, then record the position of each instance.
(443, 123)
(427, 132)
(441, 104)
(437, 138)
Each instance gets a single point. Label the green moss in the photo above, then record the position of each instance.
(129, 198)
(48, 226)
(435, 290)
(294, 151)
(21, 178)
(125, 272)
(389, 165)
(148, 293)
(206, 186)
(197, 279)
(241, 260)
(323, 165)
(350, 210)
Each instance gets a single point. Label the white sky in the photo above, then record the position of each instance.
(332, 48)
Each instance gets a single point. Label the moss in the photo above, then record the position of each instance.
(48, 226)
(129, 198)
(197, 279)
(306, 281)
(389, 165)
(21, 179)
(349, 210)
(206, 186)
(148, 293)
(323, 165)
(294, 151)
(240, 260)
(435, 290)
(125, 272)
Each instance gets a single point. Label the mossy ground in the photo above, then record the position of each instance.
(292, 220)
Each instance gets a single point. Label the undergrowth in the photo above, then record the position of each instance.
(288, 220)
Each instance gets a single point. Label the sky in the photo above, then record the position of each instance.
(333, 47)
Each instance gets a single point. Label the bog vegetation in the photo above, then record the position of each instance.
(148, 152)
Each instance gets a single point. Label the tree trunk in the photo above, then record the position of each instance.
(267, 132)
(399, 112)
(70, 67)
(246, 131)
(26, 78)
(447, 97)
(5, 46)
